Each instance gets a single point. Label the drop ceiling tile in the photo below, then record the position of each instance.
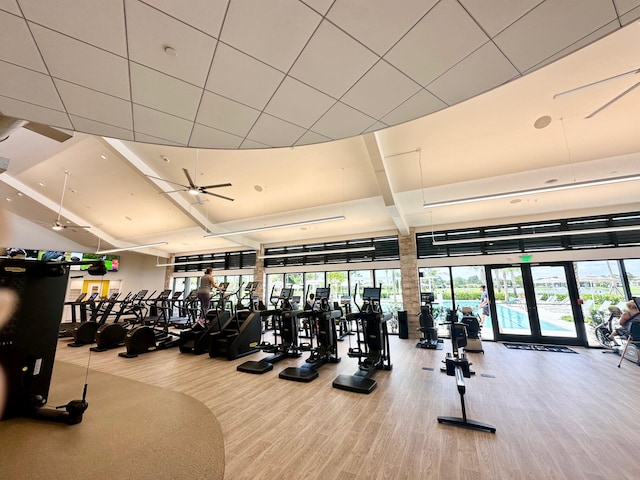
(596, 35)
(161, 125)
(162, 92)
(80, 63)
(298, 103)
(565, 23)
(275, 132)
(150, 31)
(248, 144)
(29, 86)
(242, 78)
(92, 127)
(310, 138)
(630, 16)
(440, 40)
(205, 15)
(207, 137)
(342, 121)
(381, 90)
(10, 6)
(375, 127)
(329, 51)
(35, 113)
(625, 6)
(487, 66)
(221, 113)
(496, 15)
(419, 105)
(378, 24)
(141, 137)
(320, 6)
(17, 45)
(101, 25)
(273, 32)
(94, 105)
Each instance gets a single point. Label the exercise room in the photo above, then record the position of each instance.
(311, 239)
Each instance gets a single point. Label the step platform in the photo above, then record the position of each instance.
(297, 374)
(255, 367)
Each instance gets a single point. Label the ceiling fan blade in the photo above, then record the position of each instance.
(76, 226)
(168, 181)
(47, 131)
(219, 196)
(613, 100)
(592, 84)
(191, 184)
(215, 186)
(175, 191)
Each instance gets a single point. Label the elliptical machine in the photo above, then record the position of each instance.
(285, 327)
(323, 329)
(372, 350)
(429, 331)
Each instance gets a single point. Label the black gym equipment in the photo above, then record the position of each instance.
(112, 335)
(285, 331)
(372, 348)
(457, 365)
(66, 328)
(323, 328)
(28, 342)
(85, 333)
(427, 326)
(239, 337)
(474, 340)
(148, 338)
(188, 310)
(196, 339)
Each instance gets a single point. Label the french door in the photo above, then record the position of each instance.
(535, 303)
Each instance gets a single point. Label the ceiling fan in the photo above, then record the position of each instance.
(194, 189)
(604, 80)
(57, 225)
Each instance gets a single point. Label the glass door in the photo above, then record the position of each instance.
(536, 303)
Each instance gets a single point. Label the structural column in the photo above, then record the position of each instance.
(259, 276)
(410, 280)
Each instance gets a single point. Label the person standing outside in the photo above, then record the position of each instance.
(204, 294)
(484, 304)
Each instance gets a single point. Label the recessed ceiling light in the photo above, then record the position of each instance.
(165, 158)
(20, 194)
(42, 184)
(170, 51)
(551, 180)
(104, 157)
(515, 200)
(7, 199)
(128, 218)
(73, 190)
(258, 188)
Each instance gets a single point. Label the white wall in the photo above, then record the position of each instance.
(21, 233)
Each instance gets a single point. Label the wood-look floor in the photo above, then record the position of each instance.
(558, 415)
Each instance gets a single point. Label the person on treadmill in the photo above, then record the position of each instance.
(204, 295)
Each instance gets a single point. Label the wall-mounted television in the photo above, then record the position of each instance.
(112, 262)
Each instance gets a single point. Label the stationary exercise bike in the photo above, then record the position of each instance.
(457, 365)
